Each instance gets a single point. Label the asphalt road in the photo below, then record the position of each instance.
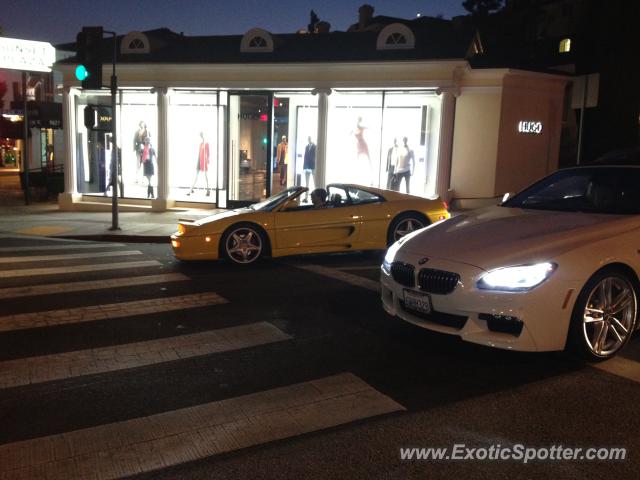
(70, 377)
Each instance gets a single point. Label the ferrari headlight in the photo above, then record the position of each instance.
(520, 278)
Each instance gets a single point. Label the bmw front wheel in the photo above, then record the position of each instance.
(604, 317)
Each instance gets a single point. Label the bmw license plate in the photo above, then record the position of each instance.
(418, 302)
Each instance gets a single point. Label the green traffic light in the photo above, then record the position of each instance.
(82, 73)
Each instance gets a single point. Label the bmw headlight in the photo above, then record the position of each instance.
(520, 278)
(391, 253)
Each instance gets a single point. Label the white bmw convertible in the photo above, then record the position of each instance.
(555, 266)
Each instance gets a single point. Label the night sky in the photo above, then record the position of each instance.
(59, 21)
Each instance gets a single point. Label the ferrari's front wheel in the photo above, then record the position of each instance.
(404, 224)
(243, 244)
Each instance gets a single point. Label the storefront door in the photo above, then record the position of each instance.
(249, 172)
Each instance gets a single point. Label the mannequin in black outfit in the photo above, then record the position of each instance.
(309, 164)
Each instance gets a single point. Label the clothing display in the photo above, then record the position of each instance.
(309, 157)
(361, 143)
(202, 165)
(147, 158)
(282, 155)
(203, 157)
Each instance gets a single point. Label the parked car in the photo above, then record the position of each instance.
(554, 266)
(354, 218)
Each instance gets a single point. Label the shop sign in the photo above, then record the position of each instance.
(98, 117)
(26, 55)
(526, 126)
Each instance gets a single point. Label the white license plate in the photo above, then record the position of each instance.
(418, 302)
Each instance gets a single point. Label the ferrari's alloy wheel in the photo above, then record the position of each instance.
(609, 315)
(243, 245)
(405, 226)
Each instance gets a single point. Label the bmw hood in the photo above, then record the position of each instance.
(497, 236)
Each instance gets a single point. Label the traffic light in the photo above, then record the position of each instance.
(89, 55)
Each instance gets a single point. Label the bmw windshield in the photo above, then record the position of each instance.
(611, 190)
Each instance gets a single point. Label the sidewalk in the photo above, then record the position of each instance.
(46, 219)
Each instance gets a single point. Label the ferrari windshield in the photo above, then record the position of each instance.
(612, 190)
(275, 200)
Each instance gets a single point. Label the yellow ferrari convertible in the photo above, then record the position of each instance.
(353, 218)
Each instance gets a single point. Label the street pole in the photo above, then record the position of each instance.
(114, 139)
(25, 119)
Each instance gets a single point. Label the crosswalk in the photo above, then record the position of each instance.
(32, 277)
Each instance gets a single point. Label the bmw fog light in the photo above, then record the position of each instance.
(520, 278)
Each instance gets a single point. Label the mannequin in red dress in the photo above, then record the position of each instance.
(203, 164)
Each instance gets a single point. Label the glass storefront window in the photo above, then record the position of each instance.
(410, 133)
(138, 140)
(93, 149)
(137, 126)
(353, 137)
(384, 139)
(295, 116)
(193, 146)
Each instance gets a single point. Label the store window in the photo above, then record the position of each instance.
(93, 148)
(138, 138)
(193, 146)
(353, 138)
(295, 126)
(384, 139)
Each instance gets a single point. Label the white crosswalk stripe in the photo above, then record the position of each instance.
(83, 286)
(110, 311)
(69, 256)
(38, 248)
(622, 367)
(345, 277)
(60, 366)
(149, 443)
(97, 267)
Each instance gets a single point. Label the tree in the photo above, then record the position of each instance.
(481, 8)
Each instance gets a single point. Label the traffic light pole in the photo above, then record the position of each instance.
(114, 139)
(25, 121)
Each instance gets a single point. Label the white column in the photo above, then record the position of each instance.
(70, 195)
(445, 147)
(321, 138)
(161, 202)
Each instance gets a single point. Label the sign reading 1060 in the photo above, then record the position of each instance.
(526, 126)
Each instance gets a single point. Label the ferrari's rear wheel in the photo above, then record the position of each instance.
(404, 224)
(604, 317)
(243, 244)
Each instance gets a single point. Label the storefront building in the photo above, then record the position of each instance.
(227, 121)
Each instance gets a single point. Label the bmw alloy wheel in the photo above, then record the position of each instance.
(609, 316)
(243, 245)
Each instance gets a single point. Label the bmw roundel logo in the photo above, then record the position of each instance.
(423, 260)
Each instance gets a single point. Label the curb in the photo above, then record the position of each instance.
(118, 238)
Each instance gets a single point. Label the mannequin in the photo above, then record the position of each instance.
(392, 156)
(282, 157)
(362, 148)
(138, 144)
(404, 166)
(147, 158)
(203, 164)
(309, 164)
